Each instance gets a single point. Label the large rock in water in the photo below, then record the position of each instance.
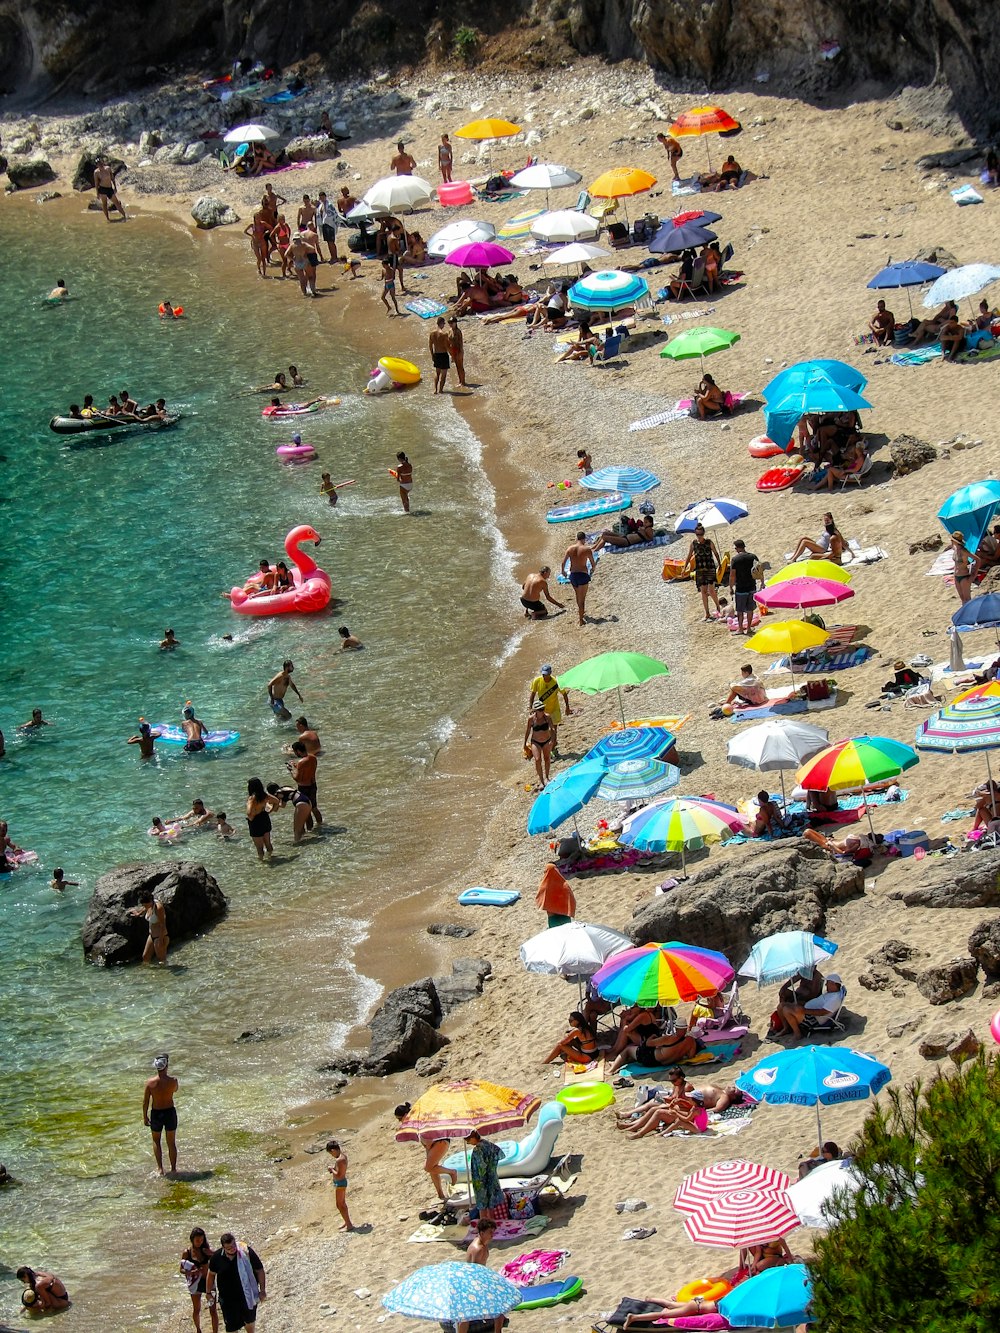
(733, 903)
(24, 175)
(956, 881)
(191, 896)
(211, 212)
(83, 176)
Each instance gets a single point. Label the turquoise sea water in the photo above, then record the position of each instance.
(104, 545)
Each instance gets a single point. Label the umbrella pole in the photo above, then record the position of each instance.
(781, 775)
(993, 795)
(683, 863)
(868, 815)
(819, 1129)
(621, 705)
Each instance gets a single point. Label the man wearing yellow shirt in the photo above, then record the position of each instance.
(545, 688)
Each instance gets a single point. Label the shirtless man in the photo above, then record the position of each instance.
(194, 729)
(196, 817)
(302, 767)
(578, 563)
(144, 739)
(533, 589)
(263, 582)
(277, 687)
(159, 1112)
(305, 218)
(310, 240)
(346, 201)
(348, 641)
(308, 737)
(882, 324)
(59, 292)
(395, 249)
(438, 343)
(107, 191)
(403, 164)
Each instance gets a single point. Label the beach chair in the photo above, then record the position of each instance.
(582, 202)
(619, 235)
(523, 1157)
(856, 473)
(830, 1022)
(602, 208)
(695, 283)
(610, 349)
(557, 1177)
(729, 1025)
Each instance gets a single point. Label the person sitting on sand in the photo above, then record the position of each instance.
(582, 347)
(681, 1113)
(928, 329)
(670, 1049)
(768, 820)
(772, 1254)
(474, 300)
(709, 399)
(985, 318)
(843, 463)
(952, 336)
(513, 292)
(748, 691)
(635, 1023)
(882, 324)
(820, 547)
(790, 1016)
(830, 1153)
(578, 1046)
(987, 803)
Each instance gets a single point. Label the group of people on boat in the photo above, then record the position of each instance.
(121, 406)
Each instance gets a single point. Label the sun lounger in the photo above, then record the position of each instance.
(527, 1156)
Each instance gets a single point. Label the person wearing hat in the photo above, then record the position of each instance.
(42, 1291)
(538, 739)
(159, 1112)
(823, 1006)
(545, 688)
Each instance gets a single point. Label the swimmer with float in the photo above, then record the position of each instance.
(403, 473)
(167, 310)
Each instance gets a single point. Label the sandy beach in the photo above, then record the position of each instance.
(839, 192)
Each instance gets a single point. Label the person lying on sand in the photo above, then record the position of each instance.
(669, 1049)
(848, 846)
(670, 1309)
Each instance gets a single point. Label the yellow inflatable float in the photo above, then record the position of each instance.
(392, 372)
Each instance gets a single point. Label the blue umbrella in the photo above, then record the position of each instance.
(907, 273)
(631, 743)
(814, 1076)
(635, 779)
(787, 954)
(673, 237)
(610, 289)
(794, 377)
(970, 510)
(776, 1298)
(710, 514)
(979, 613)
(567, 793)
(453, 1292)
(628, 480)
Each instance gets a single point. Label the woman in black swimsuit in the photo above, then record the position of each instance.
(198, 1254)
(538, 738)
(671, 1049)
(283, 579)
(259, 807)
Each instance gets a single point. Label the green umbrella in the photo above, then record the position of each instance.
(610, 671)
(699, 342)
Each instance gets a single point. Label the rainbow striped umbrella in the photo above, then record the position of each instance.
(860, 762)
(725, 1178)
(663, 974)
(680, 823)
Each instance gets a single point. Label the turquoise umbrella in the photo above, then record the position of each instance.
(776, 1298)
(566, 794)
(636, 779)
(818, 392)
(794, 377)
(970, 510)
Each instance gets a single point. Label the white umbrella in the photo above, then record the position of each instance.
(565, 226)
(580, 252)
(572, 950)
(464, 232)
(812, 1194)
(365, 212)
(959, 282)
(776, 745)
(789, 953)
(545, 176)
(394, 192)
(251, 134)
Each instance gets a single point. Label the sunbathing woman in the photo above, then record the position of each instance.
(963, 562)
(850, 461)
(581, 348)
(579, 1046)
(772, 1254)
(928, 329)
(640, 1114)
(669, 1049)
(671, 1309)
(709, 399)
(712, 258)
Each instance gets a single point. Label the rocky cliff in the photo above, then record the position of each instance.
(98, 45)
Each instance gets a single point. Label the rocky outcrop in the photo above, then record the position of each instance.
(909, 454)
(192, 898)
(25, 173)
(83, 176)
(957, 1046)
(210, 212)
(984, 945)
(311, 148)
(732, 903)
(464, 983)
(948, 981)
(958, 881)
(451, 929)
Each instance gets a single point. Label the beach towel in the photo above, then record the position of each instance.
(534, 1266)
(976, 354)
(966, 194)
(816, 666)
(720, 1052)
(856, 554)
(848, 802)
(783, 709)
(916, 356)
(425, 306)
(864, 339)
(622, 859)
(251, 1291)
(943, 564)
(663, 540)
(659, 419)
(684, 187)
(511, 1230)
(286, 95)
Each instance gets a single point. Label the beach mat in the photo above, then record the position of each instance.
(851, 657)
(659, 419)
(426, 307)
(848, 802)
(917, 356)
(514, 1229)
(972, 358)
(770, 710)
(664, 540)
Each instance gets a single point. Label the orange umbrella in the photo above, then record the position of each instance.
(703, 120)
(620, 182)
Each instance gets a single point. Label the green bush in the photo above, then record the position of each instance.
(465, 44)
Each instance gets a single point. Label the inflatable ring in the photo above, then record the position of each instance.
(995, 1027)
(582, 1098)
(708, 1288)
(398, 370)
(764, 447)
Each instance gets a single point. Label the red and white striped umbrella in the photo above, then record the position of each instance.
(744, 1217)
(725, 1178)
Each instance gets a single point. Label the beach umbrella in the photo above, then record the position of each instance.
(563, 796)
(979, 613)
(966, 281)
(814, 1076)
(699, 342)
(673, 237)
(579, 252)
(810, 569)
(787, 954)
(517, 227)
(638, 779)
(742, 1217)
(628, 480)
(479, 254)
(610, 671)
(970, 723)
(564, 226)
(776, 745)
(817, 393)
(398, 192)
(795, 377)
(703, 120)
(488, 129)
(545, 176)
(608, 290)
(679, 823)
(812, 1195)
(794, 594)
(775, 1298)
(251, 134)
(666, 974)
(464, 232)
(710, 514)
(631, 743)
(454, 1292)
(907, 273)
(574, 950)
(622, 183)
(727, 1177)
(863, 761)
(788, 637)
(365, 212)
(970, 510)
(454, 1109)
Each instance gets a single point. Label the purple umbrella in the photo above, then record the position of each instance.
(480, 254)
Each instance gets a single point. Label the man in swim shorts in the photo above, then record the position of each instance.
(403, 164)
(277, 687)
(578, 564)
(438, 342)
(533, 589)
(194, 729)
(302, 767)
(389, 289)
(327, 219)
(349, 642)
(159, 1112)
(107, 191)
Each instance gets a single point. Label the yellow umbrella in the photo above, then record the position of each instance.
(487, 129)
(788, 637)
(452, 1110)
(621, 182)
(810, 569)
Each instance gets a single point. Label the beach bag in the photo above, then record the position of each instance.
(817, 689)
(520, 1204)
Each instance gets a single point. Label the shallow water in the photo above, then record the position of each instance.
(103, 546)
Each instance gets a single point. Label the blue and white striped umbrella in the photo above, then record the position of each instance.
(628, 480)
(710, 514)
(611, 289)
(635, 779)
(453, 1292)
(631, 743)
(566, 794)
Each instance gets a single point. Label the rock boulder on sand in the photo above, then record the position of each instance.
(958, 881)
(942, 1042)
(984, 945)
(311, 148)
(731, 904)
(909, 454)
(948, 981)
(404, 1028)
(83, 176)
(24, 174)
(192, 898)
(208, 211)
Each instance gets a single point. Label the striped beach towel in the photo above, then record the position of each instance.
(916, 356)
(817, 666)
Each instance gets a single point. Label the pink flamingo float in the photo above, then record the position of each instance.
(312, 584)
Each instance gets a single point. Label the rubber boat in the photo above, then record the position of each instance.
(81, 425)
(311, 591)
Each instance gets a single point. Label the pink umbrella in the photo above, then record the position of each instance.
(480, 254)
(745, 1217)
(725, 1178)
(793, 594)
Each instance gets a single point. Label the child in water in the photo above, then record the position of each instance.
(223, 830)
(328, 489)
(59, 883)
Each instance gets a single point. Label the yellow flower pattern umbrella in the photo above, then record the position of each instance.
(453, 1110)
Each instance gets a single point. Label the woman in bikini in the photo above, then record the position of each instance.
(538, 738)
(435, 1148)
(579, 1046)
(963, 566)
(194, 1266)
(671, 1309)
(259, 807)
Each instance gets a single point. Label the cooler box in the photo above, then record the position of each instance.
(455, 193)
(909, 842)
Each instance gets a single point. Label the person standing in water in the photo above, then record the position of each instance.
(259, 807)
(302, 767)
(403, 472)
(159, 1112)
(144, 739)
(194, 729)
(156, 916)
(107, 190)
(277, 687)
(579, 565)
